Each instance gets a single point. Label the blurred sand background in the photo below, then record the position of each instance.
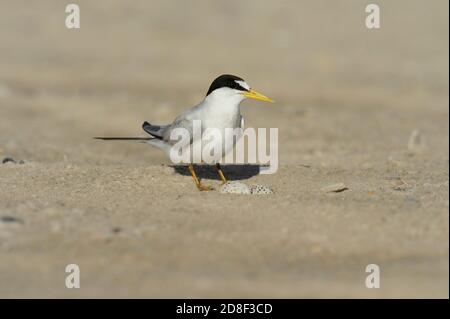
(348, 100)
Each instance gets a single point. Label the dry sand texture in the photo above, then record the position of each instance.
(348, 100)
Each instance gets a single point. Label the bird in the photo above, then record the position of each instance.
(220, 109)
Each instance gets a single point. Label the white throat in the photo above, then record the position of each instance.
(224, 100)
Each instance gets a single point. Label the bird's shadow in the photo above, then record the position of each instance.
(233, 172)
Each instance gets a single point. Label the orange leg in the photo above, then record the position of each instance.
(199, 185)
(220, 172)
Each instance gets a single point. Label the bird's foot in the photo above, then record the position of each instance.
(202, 187)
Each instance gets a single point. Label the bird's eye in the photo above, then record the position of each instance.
(239, 85)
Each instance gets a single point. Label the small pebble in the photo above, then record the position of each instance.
(10, 220)
(12, 160)
(335, 188)
(8, 160)
(116, 230)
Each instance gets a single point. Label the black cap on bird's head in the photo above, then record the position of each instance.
(236, 83)
(227, 80)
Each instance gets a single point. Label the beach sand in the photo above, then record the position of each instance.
(347, 98)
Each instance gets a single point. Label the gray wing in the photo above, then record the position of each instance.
(185, 121)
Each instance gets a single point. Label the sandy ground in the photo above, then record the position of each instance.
(348, 100)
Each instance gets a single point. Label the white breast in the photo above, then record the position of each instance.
(220, 110)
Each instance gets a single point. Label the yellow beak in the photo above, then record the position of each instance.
(252, 94)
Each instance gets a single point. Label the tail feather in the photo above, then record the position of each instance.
(154, 130)
(124, 138)
(157, 142)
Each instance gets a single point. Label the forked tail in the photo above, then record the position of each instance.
(124, 138)
(155, 131)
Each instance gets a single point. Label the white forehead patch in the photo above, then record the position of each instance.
(243, 84)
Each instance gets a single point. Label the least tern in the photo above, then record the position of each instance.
(220, 109)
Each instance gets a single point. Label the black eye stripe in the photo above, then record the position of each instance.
(239, 87)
